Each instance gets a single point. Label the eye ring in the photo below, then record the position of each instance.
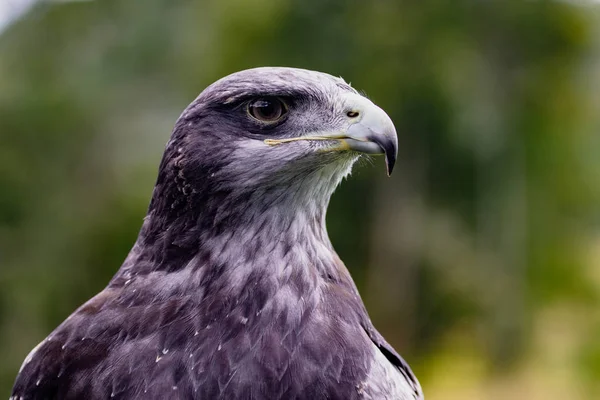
(267, 109)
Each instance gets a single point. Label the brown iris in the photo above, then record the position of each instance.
(267, 109)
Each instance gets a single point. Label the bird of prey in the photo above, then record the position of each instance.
(233, 289)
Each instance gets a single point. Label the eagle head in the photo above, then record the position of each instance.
(268, 128)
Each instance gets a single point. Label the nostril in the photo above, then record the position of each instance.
(352, 113)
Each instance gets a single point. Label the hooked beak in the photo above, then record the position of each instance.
(374, 133)
(371, 131)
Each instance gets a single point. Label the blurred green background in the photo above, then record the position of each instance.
(479, 259)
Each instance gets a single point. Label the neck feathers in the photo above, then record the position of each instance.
(278, 232)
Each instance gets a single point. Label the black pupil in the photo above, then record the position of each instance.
(266, 109)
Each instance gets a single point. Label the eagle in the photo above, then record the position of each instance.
(233, 289)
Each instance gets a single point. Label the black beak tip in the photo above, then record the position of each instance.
(389, 145)
(390, 149)
(390, 161)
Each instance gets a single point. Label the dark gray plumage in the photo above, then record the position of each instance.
(232, 289)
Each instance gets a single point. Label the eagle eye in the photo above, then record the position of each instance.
(267, 109)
